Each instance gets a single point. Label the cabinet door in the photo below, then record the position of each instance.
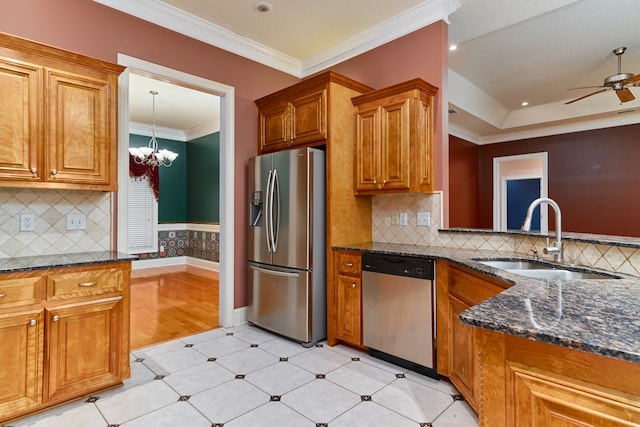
(82, 352)
(540, 400)
(274, 128)
(22, 337)
(464, 369)
(78, 130)
(395, 145)
(20, 109)
(309, 118)
(367, 149)
(349, 309)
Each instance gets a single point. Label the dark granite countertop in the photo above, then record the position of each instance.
(624, 241)
(31, 263)
(597, 316)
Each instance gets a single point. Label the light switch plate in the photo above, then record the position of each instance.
(76, 221)
(403, 219)
(424, 219)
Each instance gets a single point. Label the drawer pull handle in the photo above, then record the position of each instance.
(2, 295)
(88, 284)
(55, 318)
(33, 322)
(353, 285)
(348, 264)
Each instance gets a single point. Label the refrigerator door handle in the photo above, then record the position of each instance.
(274, 272)
(267, 211)
(275, 210)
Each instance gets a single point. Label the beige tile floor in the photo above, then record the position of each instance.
(246, 377)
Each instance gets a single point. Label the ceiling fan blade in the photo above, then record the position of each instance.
(625, 95)
(586, 87)
(633, 79)
(583, 97)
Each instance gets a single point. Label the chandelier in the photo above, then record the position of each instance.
(150, 155)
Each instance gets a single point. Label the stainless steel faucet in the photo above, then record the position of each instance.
(556, 249)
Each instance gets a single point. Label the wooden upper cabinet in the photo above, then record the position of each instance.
(20, 109)
(294, 117)
(59, 114)
(394, 139)
(77, 139)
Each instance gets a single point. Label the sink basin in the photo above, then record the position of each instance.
(515, 265)
(542, 270)
(559, 274)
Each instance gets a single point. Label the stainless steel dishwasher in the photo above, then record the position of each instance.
(398, 303)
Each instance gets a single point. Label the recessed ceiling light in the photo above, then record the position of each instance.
(453, 47)
(524, 104)
(262, 6)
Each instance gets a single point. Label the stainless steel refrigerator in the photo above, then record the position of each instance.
(287, 244)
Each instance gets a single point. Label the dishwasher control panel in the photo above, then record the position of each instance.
(396, 265)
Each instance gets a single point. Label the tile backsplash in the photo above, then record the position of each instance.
(385, 207)
(614, 257)
(50, 209)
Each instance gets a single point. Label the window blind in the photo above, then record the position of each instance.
(142, 217)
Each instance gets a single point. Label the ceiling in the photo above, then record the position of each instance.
(509, 51)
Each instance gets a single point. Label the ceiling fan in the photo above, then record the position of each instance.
(617, 82)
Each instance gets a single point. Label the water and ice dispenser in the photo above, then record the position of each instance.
(255, 209)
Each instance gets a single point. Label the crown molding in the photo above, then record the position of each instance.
(549, 130)
(205, 129)
(144, 129)
(400, 25)
(176, 20)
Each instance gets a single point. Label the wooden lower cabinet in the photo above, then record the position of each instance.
(349, 295)
(22, 336)
(347, 306)
(458, 356)
(83, 350)
(534, 384)
(62, 344)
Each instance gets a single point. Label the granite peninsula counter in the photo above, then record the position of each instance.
(597, 316)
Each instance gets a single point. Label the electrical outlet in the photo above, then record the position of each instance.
(27, 222)
(76, 221)
(394, 219)
(403, 220)
(424, 219)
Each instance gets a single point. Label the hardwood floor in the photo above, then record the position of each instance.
(172, 302)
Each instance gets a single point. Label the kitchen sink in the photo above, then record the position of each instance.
(542, 270)
(515, 265)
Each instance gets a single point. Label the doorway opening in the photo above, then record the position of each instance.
(227, 149)
(517, 181)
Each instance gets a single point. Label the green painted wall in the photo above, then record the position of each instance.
(190, 188)
(203, 178)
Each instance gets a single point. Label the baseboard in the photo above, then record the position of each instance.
(240, 316)
(179, 260)
(201, 263)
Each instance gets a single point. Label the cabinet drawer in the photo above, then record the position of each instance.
(348, 263)
(471, 289)
(84, 283)
(20, 291)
